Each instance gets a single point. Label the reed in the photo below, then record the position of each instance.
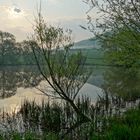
(52, 120)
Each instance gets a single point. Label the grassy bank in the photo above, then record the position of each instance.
(56, 121)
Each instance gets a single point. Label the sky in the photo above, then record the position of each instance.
(17, 16)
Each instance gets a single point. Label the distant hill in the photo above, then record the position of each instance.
(92, 43)
(91, 49)
(94, 59)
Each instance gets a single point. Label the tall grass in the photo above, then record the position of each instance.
(52, 120)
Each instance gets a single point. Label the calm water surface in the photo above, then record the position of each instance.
(21, 82)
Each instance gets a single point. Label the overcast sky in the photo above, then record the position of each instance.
(17, 16)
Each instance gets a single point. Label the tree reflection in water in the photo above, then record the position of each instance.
(13, 77)
(123, 82)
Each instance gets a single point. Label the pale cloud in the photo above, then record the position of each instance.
(14, 22)
(54, 1)
(17, 16)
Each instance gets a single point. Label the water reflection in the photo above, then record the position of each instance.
(123, 82)
(117, 81)
(13, 77)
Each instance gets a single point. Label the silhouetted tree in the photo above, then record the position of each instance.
(65, 72)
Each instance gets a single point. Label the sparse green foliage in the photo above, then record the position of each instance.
(117, 25)
(64, 72)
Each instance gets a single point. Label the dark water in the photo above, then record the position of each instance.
(13, 77)
(123, 82)
(117, 81)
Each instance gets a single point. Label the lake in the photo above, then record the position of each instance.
(23, 82)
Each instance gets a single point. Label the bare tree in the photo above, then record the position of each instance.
(114, 14)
